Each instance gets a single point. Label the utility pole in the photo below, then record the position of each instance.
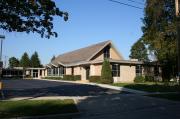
(178, 35)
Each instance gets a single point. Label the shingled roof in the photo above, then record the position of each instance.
(79, 55)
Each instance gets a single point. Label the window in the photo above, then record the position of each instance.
(61, 71)
(138, 70)
(55, 71)
(107, 52)
(115, 70)
(49, 72)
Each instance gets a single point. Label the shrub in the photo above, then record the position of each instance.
(72, 77)
(149, 78)
(77, 77)
(95, 79)
(139, 79)
(106, 73)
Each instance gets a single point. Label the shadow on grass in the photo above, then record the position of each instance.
(36, 108)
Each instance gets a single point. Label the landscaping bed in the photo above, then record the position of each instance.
(13, 109)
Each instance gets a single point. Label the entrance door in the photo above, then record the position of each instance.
(35, 73)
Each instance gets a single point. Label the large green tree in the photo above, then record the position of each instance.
(25, 61)
(139, 51)
(160, 33)
(30, 16)
(35, 61)
(13, 62)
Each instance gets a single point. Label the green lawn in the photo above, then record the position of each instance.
(174, 97)
(150, 87)
(35, 108)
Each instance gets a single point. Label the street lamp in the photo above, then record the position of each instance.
(2, 37)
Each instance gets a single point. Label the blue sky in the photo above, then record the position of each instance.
(90, 22)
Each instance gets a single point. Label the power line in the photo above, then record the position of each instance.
(125, 4)
(136, 2)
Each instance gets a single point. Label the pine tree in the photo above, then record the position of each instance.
(35, 61)
(25, 61)
(106, 73)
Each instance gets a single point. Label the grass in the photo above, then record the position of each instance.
(172, 96)
(9, 109)
(150, 87)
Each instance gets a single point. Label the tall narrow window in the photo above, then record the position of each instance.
(138, 70)
(49, 71)
(61, 71)
(115, 70)
(107, 52)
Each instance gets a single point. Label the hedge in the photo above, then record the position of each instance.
(55, 78)
(139, 79)
(66, 77)
(149, 78)
(95, 79)
(72, 77)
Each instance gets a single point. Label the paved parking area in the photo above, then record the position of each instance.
(42, 88)
(102, 103)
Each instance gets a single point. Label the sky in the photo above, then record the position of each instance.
(90, 22)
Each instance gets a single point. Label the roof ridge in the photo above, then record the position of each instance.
(83, 48)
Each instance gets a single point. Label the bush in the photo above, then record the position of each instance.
(106, 73)
(139, 79)
(95, 79)
(149, 78)
(77, 77)
(72, 77)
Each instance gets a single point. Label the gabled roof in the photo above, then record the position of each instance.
(80, 55)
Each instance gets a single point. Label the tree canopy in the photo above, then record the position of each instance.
(13, 62)
(30, 16)
(139, 51)
(159, 33)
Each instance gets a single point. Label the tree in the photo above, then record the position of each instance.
(53, 58)
(159, 33)
(139, 51)
(35, 61)
(13, 62)
(106, 73)
(30, 16)
(25, 61)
